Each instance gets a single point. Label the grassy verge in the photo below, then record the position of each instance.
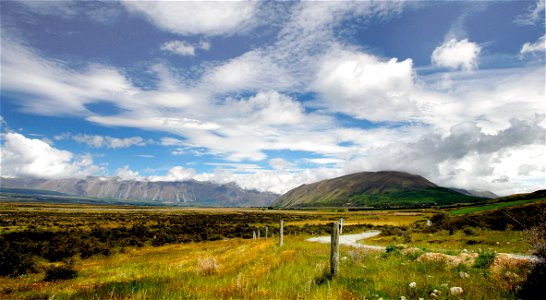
(475, 240)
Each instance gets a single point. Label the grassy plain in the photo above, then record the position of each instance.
(492, 206)
(235, 266)
(255, 270)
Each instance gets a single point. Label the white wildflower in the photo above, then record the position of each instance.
(412, 285)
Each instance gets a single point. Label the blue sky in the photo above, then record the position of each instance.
(272, 95)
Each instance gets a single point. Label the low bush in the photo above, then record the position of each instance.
(484, 260)
(60, 273)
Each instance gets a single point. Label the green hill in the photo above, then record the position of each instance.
(385, 189)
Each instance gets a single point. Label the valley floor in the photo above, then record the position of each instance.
(242, 268)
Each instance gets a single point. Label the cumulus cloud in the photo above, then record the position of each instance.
(455, 54)
(193, 18)
(33, 158)
(177, 173)
(365, 86)
(466, 157)
(184, 48)
(277, 181)
(537, 47)
(125, 173)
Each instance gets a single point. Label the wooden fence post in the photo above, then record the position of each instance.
(281, 234)
(266, 232)
(253, 235)
(334, 253)
(258, 233)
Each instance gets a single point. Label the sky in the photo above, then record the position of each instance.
(272, 95)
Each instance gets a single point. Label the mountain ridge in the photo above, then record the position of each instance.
(191, 192)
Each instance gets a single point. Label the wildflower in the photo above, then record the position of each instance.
(463, 274)
(456, 290)
(402, 298)
(412, 285)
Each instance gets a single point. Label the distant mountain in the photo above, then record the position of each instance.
(192, 192)
(481, 194)
(372, 189)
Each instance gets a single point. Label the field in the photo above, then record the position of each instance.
(115, 252)
(473, 209)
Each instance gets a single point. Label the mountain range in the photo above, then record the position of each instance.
(191, 193)
(366, 189)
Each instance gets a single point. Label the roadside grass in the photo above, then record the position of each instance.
(507, 241)
(486, 207)
(259, 269)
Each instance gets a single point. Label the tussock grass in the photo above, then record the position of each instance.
(237, 268)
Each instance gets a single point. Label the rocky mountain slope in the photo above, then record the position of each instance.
(191, 192)
(372, 189)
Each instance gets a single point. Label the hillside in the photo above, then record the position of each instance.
(194, 193)
(372, 189)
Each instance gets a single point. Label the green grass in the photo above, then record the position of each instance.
(255, 270)
(486, 207)
(508, 241)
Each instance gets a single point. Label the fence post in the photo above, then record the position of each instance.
(266, 232)
(334, 253)
(253, 235)
(258, 233)
(281, 234)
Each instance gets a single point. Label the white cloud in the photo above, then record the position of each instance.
(193, 18)
(537, 47)
(277, 181)
(177, 173)
(456, 54)
(24, 157)
(98, 141)
(54, 89)
(466, 157)
(535, 15)
(126, 173)
(184, 48)
(253, 71)
(280, 163)
(366, 87)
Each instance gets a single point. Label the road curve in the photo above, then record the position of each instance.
(350, 239)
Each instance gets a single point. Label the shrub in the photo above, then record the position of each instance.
(484, 260)
(533, 288)
(14, 264)
(469, 231)
(60, 273)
